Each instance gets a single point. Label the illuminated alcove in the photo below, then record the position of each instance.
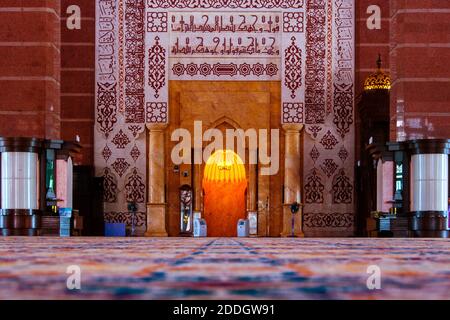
(224, 186)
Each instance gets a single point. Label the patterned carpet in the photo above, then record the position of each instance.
(211, 268)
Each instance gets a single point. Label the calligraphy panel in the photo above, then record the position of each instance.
(224, 45)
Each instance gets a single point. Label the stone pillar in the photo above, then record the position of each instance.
(292, 184)
(64, 182)
(252, 213)
(263, 205)
(198, 188)
(156, 205)
(385, 187)
(30, 69)
(251, 191)
(429, 187)
(77, 98)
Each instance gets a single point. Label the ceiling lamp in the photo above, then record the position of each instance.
(378, 80)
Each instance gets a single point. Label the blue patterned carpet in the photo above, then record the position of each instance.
(211, 268)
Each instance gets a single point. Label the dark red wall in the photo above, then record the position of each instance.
(30, 68)
(420, 56)
(78, 78)
(370, 43)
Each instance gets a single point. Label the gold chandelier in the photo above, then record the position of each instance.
(378, 80)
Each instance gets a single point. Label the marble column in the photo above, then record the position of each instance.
(19, 180)
(429, 187)
(156, 205)
(429, 182)
(292, 176)
(22, 163)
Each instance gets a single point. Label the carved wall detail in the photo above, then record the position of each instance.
(306, 45)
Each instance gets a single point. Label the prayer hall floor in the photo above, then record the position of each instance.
(223, 268)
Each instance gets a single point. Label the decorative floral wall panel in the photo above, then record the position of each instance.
(120, 142)
(307, 45)
(329, 117)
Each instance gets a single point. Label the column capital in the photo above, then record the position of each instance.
(156, 126)
(428, 146)
(290, 127)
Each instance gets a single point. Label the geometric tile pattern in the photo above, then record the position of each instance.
(293, 22)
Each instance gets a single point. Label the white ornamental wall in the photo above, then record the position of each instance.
(329, 145)
(120, 143)
(308, 45)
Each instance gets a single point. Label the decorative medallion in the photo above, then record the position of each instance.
(342, 188)
(109, 186)
(120, 166)
(293, 22)
(329, 141)
(314, 130)
(121, 140)
(106, 153)
(135, 129)
(292, 112)
(329, 167)
(135, 187)
(343, 108)
(157, 67)
(293, 68)
(106, 107)
(135, 153)
(156, 112)
(343, 154)
(314, 188)
(157, 22)
(314, 154)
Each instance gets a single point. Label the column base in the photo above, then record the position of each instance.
(296, 235)
(431, 234)
(429, 224)
(156, 234)
(263, 229)
(287, 223)
(252, 217)
(20, 222)
(156, 220)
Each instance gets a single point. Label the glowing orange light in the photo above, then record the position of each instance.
(226, 166)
